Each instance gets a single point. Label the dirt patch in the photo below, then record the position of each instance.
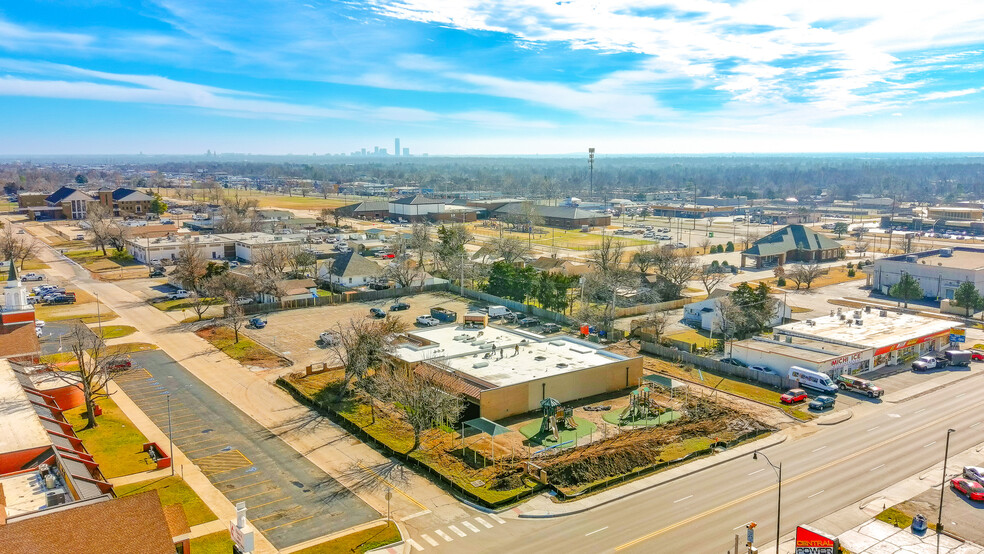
(245, 351)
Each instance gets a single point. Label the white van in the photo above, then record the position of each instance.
(812, 379)
(499, 311)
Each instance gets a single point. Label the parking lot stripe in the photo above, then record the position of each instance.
(457, 531)
(486, 524)
(252, 495)
(234, 478)
(268, 529)
(246, 486)
(429, 539)
(277, 513)
(268, 503)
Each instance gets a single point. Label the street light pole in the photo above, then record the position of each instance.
(778, 470)
(939, 515)
(170, 442)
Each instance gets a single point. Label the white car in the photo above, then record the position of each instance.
(974, 473)
(39, 331)
(39, 323)
(32, 277)
(760, 368)
(328, 338)
(428, 321)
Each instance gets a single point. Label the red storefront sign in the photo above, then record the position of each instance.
(813, 541)
(908, 343)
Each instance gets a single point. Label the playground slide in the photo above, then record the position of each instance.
(625, 412)
(570, 423)
(553, 427)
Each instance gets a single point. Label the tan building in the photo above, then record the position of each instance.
(125, 202)
(962, 213)
(504, 372)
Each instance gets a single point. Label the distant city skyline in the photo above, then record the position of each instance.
(490, 78)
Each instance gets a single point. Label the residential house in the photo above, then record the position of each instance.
(350, 270)
(707, 313)
(290, 289)
(560, 217)
(793, 243)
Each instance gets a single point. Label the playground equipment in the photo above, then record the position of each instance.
(641, 406)
(554, 415)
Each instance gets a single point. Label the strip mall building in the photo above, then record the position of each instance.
(848, 341)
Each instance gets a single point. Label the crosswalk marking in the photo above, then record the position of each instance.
(428, 539)
(470, 527)
(497, 518)
(457, 531)
(443, 535)
(414, 544)
(486, 524)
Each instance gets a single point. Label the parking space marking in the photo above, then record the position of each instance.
(254, 495)
(428, 539)
(757, 471)
(819, 449)
(975, 425)
(816, 493)
(268, 529)
(245, 486)
(232, 479)
(873, 428)
(919, 410)
(682, 499)
(268, 503)
(443, 535)
(199, 449)
(274, 514)
(596, 531)
(457, 531)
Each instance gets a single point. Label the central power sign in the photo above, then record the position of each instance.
(813, 541)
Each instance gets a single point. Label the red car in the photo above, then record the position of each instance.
(793, 395)
(389, 255)
(971, 489)
(977, 355)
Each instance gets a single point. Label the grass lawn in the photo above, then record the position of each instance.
(897, 518)
(58, 358)
(215, 543)
(129, 348)
(245, 351)
(265, 200)
(691, 336)
(116, 331)
(736, 386)
(834, 275)
(86, 256)
(74, 311)
(358, 542)
(173, 490)
(34, 264)
(116, 444)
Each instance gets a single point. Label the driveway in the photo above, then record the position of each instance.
(289, 499)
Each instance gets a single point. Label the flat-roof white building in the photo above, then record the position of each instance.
(242, 246)
(507, 372)
(939, 272)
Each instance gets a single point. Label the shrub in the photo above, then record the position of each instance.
(730, 247)
(781, 282)
(850, 265)
(725, 263)
(850, 273)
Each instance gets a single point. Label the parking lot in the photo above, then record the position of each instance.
(290, 500)
(294, 333)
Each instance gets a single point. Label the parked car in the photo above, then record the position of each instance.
(379, 286)
(974, 473)
(760, 368)
(529, 321)
(811, 379)
(243, 300)
(257, 323)
(61, 299)
(499, 311)
(821, 403)
(977, 355)
(399, 306)
(328, 338)
(39, 323)
(178, 294)
(233, 264)
(32, 277)
(377, 313)
(41, 288)
(793, 395)
(734, 361)
(118, 365)
(971, 489)
(548, 328)
(428, 321)
(158, 272)
(864, 386)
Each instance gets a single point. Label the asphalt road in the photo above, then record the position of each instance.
(288, 498)
(831, 468)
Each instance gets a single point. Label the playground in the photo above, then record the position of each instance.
(557, 426)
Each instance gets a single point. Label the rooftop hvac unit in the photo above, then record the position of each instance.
(858, 322)
(789, 339)
(883, 313)
(478, 365)
(867, 309)
(946, 252)
(857, 314)
(54, 499)
(838, 311)
(841, 316)
(911, 258)
(775, 338)
(49, 481)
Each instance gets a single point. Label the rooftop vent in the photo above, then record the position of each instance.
(789, 339)
(858, 322)
(478, 365)
(561, 365)
(946, 253)
(540, 358)
(867, 309)
(841, 316)
(911, 258)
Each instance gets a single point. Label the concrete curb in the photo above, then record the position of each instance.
(836, 418)
(781, 440)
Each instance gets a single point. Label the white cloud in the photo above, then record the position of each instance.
(950, 94)
(14, 36)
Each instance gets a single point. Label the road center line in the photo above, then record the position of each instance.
(873, 428)
(919, 410)
(975, 425)
(756, 471)
(928, 445)
(682, 499)
(877, 467)
(596, 531)
(816, 493)
(961, 394)
(819, 449)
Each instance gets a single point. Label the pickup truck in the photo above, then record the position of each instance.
(32, 277)
(930, 362)
(178, 294)
(864, 386)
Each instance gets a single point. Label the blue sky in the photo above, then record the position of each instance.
(488, 77)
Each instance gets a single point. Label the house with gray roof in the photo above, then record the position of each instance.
(793, 243)
(349, 270)
(561, 217)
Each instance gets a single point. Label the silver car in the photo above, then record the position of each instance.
(974, 473)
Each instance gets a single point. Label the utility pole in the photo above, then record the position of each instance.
(939, 515)
(591, 153)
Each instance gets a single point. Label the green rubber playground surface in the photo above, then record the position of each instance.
(532, 432)
(665, 417)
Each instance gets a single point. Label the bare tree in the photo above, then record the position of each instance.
(704, 244)
(191, 266)
(421, 242)
(99, 218)
(272, 262)
(530, 218)
(644, 259)
(116, 236)
(510, 249)
(419, 398)
(227, 283)
(861, 246)
(98, 365)
(710, 278)
(656, 324)
(805, 274)
(403, 272)
(234, 316)
(29, 248)
(678, 268)
(362, 345)
(199, 304)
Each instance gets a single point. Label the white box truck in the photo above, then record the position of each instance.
(812, 379)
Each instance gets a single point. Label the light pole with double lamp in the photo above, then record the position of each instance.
(778, 470)
(939, 515)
